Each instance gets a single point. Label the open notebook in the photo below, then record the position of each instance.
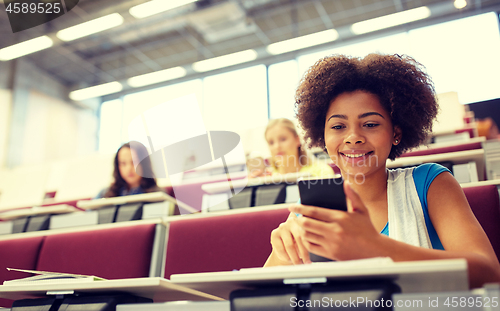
(43, 277)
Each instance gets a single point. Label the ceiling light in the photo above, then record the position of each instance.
(302, 42)
(25, 48)
(225, 61)
(90, 27)
(460, 4)
(391, 20)
(156, 6)
(96, 91)
(158, 76)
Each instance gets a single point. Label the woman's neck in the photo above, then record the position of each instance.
(134, 185)
(370, 188)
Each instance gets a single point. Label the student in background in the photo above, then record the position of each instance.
(287, 153)
(363, 112)
(128, 180)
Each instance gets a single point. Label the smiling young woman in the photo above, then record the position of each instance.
(359, 132)
(363, 112)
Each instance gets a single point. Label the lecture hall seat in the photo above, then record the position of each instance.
(221, 243)
(21, 254)
(111, 253)
(485, 204)
(192, 193)
(453, 148)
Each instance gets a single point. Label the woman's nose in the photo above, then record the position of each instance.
(354, 137)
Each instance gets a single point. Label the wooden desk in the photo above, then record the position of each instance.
(460, 157)
(158, 289)
(219, 187)
(495, 182)
(413, 276)
(37, 210)
(144, 197)
(80, 229)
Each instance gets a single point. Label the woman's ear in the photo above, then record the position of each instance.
(398, 134)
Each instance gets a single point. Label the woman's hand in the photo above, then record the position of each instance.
(287, 243)
(338, 235)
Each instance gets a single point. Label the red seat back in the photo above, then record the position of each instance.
(221, 243)
(485, 204)
(112, 253)
(192, 193)
(21, 254)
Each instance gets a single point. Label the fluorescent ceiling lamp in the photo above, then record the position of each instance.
(303, 42)
(156, 6)
(90, 27)
(158, 76)
(25, 48)
(96, 91)
(225, 61)
(391, 20)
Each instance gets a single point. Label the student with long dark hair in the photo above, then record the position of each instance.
(131, 179)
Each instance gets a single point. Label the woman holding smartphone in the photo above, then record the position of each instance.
(363, 112)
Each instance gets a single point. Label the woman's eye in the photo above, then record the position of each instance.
(372, 124)
(337, 127)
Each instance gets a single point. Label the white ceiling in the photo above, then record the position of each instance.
(201, 30)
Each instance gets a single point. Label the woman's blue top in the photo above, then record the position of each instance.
(423, 176)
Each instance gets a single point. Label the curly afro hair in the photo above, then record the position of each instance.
(400, 83)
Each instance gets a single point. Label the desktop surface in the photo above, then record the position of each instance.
(156, 288)
(144, 197)
(415, 276)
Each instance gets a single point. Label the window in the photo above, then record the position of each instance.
(235, 100)
(283, 81)
(110, 130)
(461, 56)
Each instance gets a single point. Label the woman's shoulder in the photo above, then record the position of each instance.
(101, 193)
(428, 171)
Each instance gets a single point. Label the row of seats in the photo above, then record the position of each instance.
(182, 244)
(146, 248)
(104, 215)
(248, 197)
(97, 173)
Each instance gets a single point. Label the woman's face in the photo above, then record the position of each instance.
(283, 145)
(126, 167)
(359, 134)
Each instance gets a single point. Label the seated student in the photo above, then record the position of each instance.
(128, 180)
(287, 153)
(364, 111)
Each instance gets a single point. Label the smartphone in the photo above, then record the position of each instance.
(323, 192)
